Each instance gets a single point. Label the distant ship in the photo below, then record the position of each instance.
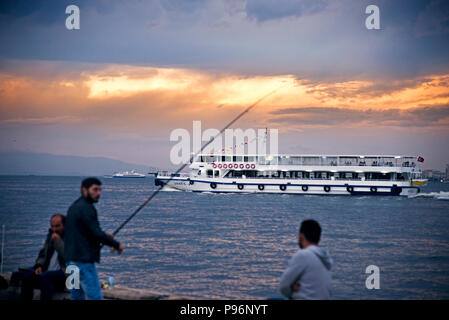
(128, 174)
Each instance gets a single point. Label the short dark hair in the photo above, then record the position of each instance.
(311, 230)
(58, 215)
(89, 182)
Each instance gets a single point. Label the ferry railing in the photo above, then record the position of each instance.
(287, 178)
(332, 164)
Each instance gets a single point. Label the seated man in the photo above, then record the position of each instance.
(308, 274)
(49, 270)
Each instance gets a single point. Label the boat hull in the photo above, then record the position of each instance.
(304, 187)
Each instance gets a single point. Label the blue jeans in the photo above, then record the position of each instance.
(89, 283)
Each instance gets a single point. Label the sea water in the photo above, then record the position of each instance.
(235, 246)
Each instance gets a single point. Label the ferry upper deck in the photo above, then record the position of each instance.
(311, 160)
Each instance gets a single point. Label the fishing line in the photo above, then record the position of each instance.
(191, 159)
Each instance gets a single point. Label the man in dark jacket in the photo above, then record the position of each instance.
(49, 270)
(84, 239)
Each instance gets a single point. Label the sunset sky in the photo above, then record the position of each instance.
(136, 70)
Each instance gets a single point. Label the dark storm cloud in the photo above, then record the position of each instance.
(434, 19)
(330, 116)
(49, 11)
(312, 39)
(263, 10)
(182, 5)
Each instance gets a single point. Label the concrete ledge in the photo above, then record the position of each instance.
(118, 293)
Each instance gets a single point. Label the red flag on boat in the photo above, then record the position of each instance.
(420, 159)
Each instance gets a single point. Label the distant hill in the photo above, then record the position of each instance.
(25, 163)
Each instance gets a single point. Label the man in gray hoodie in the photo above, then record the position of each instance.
(308, 274)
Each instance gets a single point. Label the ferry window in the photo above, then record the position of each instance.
(295, 160)
(378, 176)
(250, 173)
(210, 173)
(199, 172)
(381, 176)
(370, 161)
(245, 159)
(223, 159)
(270, 160)
(217, 173)
(312, 160)
(234, 159)
(260, 174)
(238, 159)
(250, 159)
(237, 174)
(228, 158)
(321, 175)
(331, 161)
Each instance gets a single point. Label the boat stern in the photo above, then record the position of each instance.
(419, 182)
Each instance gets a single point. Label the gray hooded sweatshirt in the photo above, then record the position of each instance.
(311, 268)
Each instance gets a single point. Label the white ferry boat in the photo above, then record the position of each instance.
(128, 174)
(300, 174)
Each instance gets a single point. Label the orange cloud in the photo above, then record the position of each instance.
(116, 81)
(130, 97)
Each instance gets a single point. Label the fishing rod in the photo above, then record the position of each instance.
(191, 159)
